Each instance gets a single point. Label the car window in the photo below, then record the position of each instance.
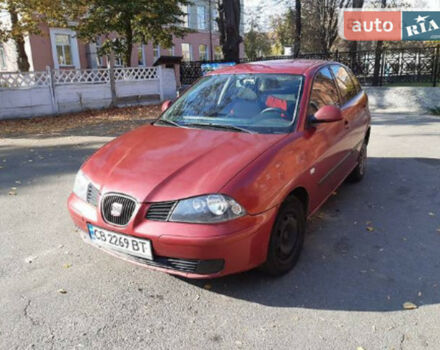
(345, 83)
(265, 103)
(324, 91)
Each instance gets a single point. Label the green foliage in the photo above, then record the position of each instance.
(122, 23)
(30, 13)
(256, 43)
(434, 110)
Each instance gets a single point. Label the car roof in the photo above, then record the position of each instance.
(288, 66)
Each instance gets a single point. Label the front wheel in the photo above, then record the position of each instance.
(287, 238)
(358, 173)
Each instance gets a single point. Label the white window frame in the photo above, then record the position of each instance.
(99, 59)
(171, 51)
(201, 17)
(3, 63)
(119, 62)
(190, 51)
(156, 52)
(144, 62)
(73, 47)
(214, 16)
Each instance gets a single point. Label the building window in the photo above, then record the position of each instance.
(99, 59)
(141, 56)
(119, 61)
(214, 19)
(2, 58)
(171, 51)
(201, 18)
(186, 52)
(156, 52)
(218, 53)
(63, 49)
(185, 18)
(203, 52)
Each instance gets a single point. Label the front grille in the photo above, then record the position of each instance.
(127, 210)
(92, 195)
(160, 211)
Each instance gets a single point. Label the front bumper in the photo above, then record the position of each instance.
(189, 250)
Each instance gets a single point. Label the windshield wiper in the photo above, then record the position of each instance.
(221, 126)
(169, 122)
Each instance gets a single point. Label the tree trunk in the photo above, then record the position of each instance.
(353, 47)
(229, 26)
(22, 58)
(297, 40)
(129, 43)
(378, 56)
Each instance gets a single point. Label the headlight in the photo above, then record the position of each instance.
(80, 186)
(207, 209)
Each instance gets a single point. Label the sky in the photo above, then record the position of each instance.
(274, 7)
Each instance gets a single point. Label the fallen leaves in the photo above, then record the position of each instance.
(370, 228)
(62, 291)
(207, 286)
(57, 124)
(67, 266)
(409, 305)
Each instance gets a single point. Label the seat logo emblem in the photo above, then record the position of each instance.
(116, 209)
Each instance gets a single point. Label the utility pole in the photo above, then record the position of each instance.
(210, 29)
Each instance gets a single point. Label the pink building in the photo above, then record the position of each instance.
(59, 48)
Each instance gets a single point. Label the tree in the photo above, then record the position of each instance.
(353, 46)
(256, 43)
(25, 17)
(378, 55)
(326, 14)
(124, 23)
(283, 28)
(297, 38)
(229, 27)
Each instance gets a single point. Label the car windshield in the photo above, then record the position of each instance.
(256, 103)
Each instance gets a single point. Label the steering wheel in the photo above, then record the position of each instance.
(272, 109)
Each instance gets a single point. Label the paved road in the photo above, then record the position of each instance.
(346, 292)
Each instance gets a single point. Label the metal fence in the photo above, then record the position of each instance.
(396, 66)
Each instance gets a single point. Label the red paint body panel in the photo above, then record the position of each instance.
(161, 163)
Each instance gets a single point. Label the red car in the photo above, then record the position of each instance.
(226, 178)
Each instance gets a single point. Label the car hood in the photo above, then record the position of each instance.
(158, 163)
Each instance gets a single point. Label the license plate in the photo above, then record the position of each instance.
(115, 241)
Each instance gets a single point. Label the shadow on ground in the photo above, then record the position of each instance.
(346, 267)
(343, 266)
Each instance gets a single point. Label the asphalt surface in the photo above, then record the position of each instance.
(372, 247)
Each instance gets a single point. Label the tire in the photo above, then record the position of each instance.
(358, 173)
(287, 238)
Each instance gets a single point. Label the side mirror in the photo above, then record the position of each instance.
(327, 114)
(166, 104)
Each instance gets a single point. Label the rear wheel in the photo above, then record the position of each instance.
(287, 238)
(358, 173)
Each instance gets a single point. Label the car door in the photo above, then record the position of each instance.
(353, 103)
(327, 146)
